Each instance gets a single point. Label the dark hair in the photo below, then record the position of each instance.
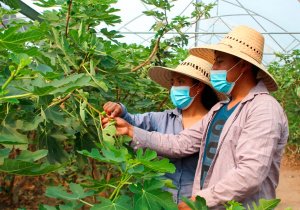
(255, 70)
(208, 96)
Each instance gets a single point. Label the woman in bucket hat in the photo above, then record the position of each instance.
(241, 140)
(193, 96)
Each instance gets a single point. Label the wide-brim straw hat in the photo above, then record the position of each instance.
(192, 66)
(245, 43)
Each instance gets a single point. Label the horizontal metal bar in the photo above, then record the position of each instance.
(205, 33)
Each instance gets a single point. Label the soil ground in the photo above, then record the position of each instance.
(288, 189)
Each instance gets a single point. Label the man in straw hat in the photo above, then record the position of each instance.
(241, 141)
(193, 96)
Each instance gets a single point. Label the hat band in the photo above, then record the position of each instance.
(195, 66)
(244, 52)
(239, 41)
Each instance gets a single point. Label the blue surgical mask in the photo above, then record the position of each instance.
(180, 96)
(219, 81)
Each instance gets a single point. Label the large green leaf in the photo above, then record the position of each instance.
(12, 139)
(4, 153)
(54, 115)
(14, 40)
(46, 207)
(63, 85)
(41, 68)
(109, 133)
(29, 125)
(122, 203)
(68, 206)
(151, 197)
(198, 204)
(149, 159)
(29, 156)
(70, 86)
(77, 192)
(111, 155)
(264, 204)
(54, 147)
(12, 3)
(19, 167)
(234, 205)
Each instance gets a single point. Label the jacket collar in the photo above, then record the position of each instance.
(260, 88)
(177, 112)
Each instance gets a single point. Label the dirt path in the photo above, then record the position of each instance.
(289, 186)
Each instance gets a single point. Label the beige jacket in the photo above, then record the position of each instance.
(247, 161)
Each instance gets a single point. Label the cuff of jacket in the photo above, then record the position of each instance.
(136, 142)
(124, 110)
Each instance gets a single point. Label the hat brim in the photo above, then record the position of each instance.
(163, 75)
(207, 53)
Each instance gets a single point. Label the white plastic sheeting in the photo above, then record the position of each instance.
(278, 20)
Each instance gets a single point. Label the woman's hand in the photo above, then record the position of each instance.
(122, 126)
(112, 109)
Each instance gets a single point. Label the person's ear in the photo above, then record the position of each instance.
(245, 66)
(200, 87)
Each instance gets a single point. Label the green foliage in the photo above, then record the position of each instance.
(12, 39)
(12, 3)
(122, 203)
(77, 192)
(233, 205)
(26, 168)
(287, 73)
(56, 75)
(198, 204)
(263, 204)
(150, 196)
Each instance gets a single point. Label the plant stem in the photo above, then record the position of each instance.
(82, 201)
(16, 96)
(154, 51)
(61, 100)
(4, 26)
(68, 17)
(12, 76)
(124, 181)
(89, 105)
(93, 78)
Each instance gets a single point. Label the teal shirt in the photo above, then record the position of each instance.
(212, 139)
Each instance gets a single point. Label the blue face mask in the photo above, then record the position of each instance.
(180, 96)
(219, 81)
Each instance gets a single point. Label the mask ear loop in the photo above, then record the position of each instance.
(198, 91)
(234, 65)
(232, 68)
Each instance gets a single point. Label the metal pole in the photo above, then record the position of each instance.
(197, 28)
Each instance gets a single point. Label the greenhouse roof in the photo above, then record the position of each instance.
(278, 20)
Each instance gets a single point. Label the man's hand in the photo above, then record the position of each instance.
(122, 126)
(112, 109)
(183, 206)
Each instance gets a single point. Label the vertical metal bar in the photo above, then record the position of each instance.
(197, 28)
